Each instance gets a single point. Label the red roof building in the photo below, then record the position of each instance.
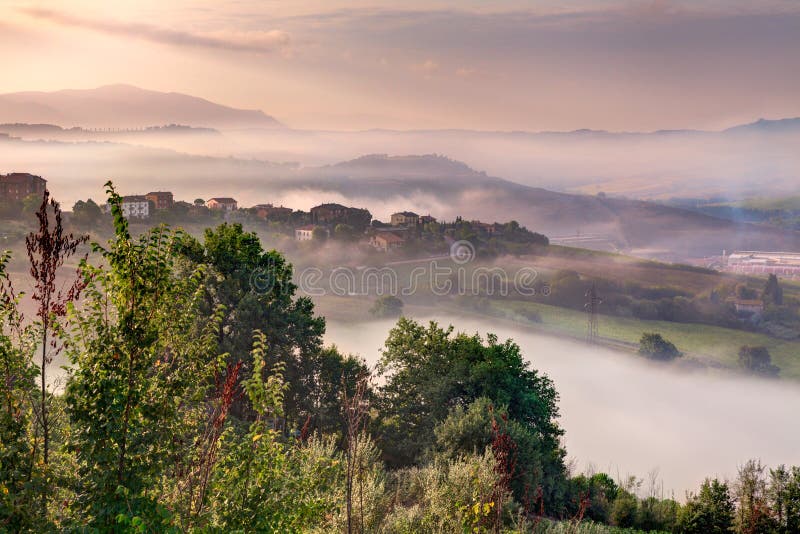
(18, 185)
(162, 200)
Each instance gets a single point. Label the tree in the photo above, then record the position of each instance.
(470, 430)
(345, 232)
(757, 360)
(335, 374)
(256, 289)
(430, 370)
(387, 306)
(86, 214)
(319, 234)
(199, 202)
(784, 498)
(30, 204)
(745, 293)
(262, 484)
(355, 410)
(20, 477)
(624, 509)
(143, 359)
(654, 346)
(709, 512)
(750, 492)
(568, 289)
(773, 293)
(598, 491)
(48, 249)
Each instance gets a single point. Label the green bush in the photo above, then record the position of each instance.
(655, 347)
(757, 360)
(387, 306)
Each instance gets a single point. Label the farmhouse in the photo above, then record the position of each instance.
(749, 306)
(18, 185)
(386, 241)
(221, 203)
(332, 214)
(487, 228)
(267, 211)
(136, 207)
(306, 233)
(327, 213)
(404, 218)
(162, 200)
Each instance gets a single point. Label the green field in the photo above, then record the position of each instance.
(782, 203)
(702, 341)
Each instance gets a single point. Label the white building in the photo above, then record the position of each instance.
(136, 207)
(221, 203)
(386, 241)
(404, 218)
(752, 306)
(304, 233)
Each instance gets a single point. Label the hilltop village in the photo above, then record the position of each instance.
(732, 295)
(405, 231)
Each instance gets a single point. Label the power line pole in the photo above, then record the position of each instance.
(592, 304)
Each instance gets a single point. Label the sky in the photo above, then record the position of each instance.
(356, 64)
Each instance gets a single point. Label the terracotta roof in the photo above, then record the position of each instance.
(223, 200)
(330, 205)
(19, 177)
(749, 302)
(390, 238)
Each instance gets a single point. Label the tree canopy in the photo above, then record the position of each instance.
(430, 370)
(654, 346)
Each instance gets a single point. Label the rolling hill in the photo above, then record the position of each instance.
(633, 224)
(426, 184)
(125, 106)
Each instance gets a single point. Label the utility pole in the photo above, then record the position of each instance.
(592, 304)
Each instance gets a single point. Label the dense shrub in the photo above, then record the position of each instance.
(757, 360)
(387, 306)
(655, 347)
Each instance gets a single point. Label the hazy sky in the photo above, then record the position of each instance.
(507, 64)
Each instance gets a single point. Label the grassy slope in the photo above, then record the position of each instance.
(646, 273)
(782, 203)
(705, 342)
(715, 343)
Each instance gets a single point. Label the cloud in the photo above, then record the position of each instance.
(427, 67)
(246, 41)
(465, 72)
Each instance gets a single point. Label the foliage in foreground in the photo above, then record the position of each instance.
(170, 426)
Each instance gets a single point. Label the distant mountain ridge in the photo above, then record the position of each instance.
(769, 126)
(125, 106)
(789, 124)
(128, 106)
(25, 129)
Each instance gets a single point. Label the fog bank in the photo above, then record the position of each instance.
(627, 416)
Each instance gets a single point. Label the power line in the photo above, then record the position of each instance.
(592, 304)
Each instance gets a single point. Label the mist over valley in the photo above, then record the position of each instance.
(380, 267)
